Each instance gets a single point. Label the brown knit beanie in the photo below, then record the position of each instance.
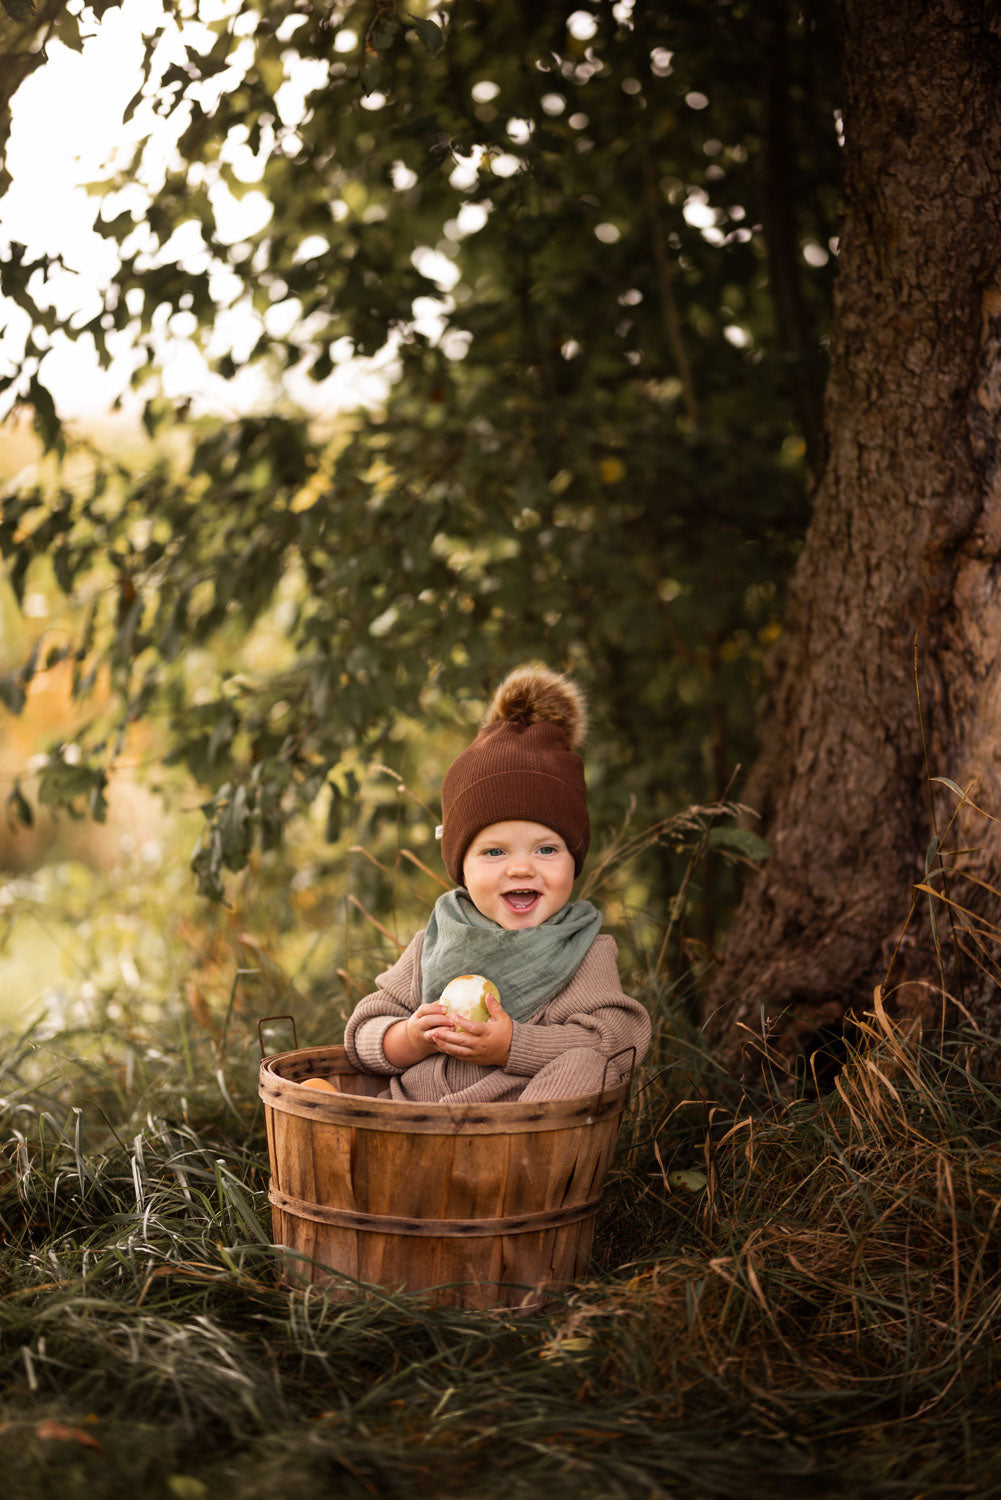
(522, 764)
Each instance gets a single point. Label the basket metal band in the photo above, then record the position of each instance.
(346, 1218)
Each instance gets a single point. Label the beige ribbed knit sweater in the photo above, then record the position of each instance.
(558, 1054)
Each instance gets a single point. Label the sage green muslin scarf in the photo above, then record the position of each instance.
(529, 965)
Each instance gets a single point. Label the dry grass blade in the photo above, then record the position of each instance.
(955, 905)
(353, 900)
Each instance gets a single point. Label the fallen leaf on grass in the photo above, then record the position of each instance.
(693, 1181)
(187, 1487)
(52, 1431)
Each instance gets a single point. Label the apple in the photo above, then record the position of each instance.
(466, 997)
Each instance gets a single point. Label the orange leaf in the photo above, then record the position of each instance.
(50, 1429)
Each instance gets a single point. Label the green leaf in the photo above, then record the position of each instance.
(222, 734)
(47, 420)
(431, 35)
(60, 784)
(12, 694)
(335, 815)
(19, 572)
(207, 863)
(382, 33)
(63, 567)
(67, 30)
(236, 830)
(741, 841)
(133, 104)
(19, 808)
(371, 75)
(98, 801)
(30, 667)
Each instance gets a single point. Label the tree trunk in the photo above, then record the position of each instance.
(905, 542)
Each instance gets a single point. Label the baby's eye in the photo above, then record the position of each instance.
(548, 849)
(493, 851)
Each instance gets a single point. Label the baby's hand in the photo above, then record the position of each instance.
(421, 1024)
(485, 1042)
(410, 1041)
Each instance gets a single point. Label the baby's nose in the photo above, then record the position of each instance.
(520, 864)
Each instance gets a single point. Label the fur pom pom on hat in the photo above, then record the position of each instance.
(522, 764)
(532, 695)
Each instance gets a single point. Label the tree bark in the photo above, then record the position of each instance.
(905, 542)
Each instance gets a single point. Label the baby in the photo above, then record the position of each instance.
(514, 835)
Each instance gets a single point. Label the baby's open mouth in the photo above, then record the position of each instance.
(520, 901)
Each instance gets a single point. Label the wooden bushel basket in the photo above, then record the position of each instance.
(486, 1205)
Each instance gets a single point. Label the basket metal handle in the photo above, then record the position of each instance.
(629, 1078)
(286, 1017)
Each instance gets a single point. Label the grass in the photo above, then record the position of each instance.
(816, 1318)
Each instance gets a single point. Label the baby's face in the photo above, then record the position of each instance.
(518, 873)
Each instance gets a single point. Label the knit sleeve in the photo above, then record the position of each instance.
(592, 1011)
(396, 996)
